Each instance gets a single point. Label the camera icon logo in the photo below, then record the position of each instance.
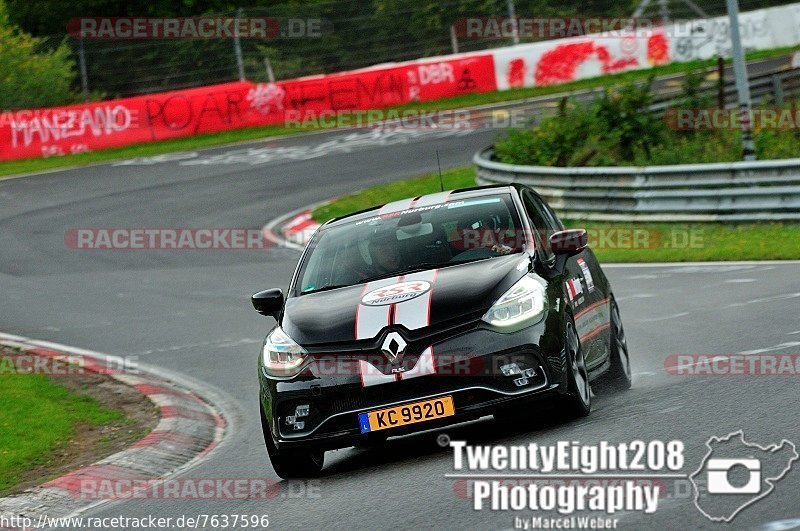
(735, 474)
(720, 483)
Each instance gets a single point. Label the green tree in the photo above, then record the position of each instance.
(29, 77)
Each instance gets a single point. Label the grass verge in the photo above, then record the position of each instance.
(255, 133)
(613, 242)
(385, 193)
(38, 417)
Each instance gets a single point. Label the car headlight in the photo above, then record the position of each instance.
(281, 355)
(525, 303)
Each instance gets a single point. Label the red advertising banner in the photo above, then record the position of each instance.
(94, 126)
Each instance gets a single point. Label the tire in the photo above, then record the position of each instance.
(292, 464)
(578, 400)
(618, 377)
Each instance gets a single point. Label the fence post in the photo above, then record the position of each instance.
(237, 45)
(742, 82)
(268, 67)
(453, 38)
(82, 66)
(512, 15)
(721, 82)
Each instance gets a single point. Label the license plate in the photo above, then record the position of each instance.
(393, 417)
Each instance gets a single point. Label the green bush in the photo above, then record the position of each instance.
(29, 78)
(614, 127)
(617, 129)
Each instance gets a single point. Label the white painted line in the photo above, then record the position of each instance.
(713, 358)
(782, 346)
(765, 299)
(663, 318)
(675, 370)
(636, 297)
(695, 264)
(12, 337)
(780, 525)
(740, 280)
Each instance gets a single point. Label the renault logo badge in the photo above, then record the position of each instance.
(393, 347)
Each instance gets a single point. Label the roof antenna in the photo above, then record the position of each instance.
(439, 163)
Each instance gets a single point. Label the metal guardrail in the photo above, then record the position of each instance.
(735, 191)
(777, 87)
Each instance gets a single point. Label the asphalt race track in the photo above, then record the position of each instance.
(189, 311)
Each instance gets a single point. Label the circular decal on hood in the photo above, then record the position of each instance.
(395, 293)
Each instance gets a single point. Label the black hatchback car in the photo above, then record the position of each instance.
(431, 311)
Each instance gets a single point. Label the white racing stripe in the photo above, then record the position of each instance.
(396, 206)
(424, 366)
(433, 199)
(412, 314)
(405, 204)
(370, 320)
(371, 375)
(415, 313)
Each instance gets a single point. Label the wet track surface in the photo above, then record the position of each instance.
(189, 311)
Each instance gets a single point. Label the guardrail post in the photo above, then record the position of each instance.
(777, 88)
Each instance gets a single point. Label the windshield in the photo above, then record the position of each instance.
(415, 239)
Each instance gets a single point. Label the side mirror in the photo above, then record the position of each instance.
(268, 302)
(569, 242)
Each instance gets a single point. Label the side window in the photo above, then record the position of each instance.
(543, 222)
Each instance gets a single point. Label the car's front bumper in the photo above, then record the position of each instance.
(468, 368)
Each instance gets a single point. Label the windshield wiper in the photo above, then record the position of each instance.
(325, 288)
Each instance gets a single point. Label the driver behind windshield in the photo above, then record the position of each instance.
(385, 253)
(385, 256)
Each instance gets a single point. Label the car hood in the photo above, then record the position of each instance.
(449, 296)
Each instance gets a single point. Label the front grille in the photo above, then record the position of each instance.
(418, 340)
(337, 400)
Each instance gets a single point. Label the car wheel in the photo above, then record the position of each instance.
(619, 375)
(292, 464)
(578, 400)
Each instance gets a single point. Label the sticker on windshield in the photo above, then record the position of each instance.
(395, 293)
